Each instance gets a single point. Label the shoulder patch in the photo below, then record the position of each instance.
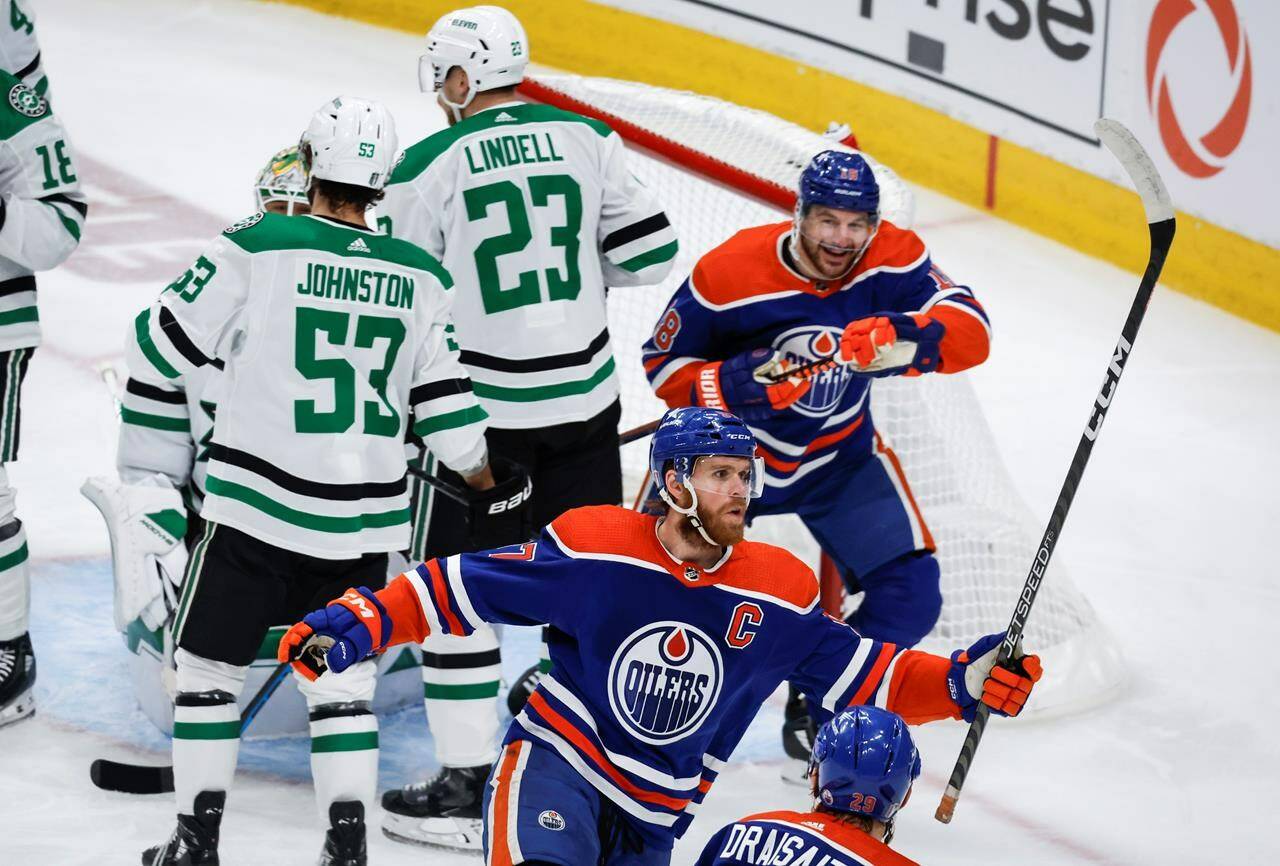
(247, 222)
(27, 102)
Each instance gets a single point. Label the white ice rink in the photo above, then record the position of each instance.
(172, 107)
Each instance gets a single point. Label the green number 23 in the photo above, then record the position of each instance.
(527, 290)
(335, 326)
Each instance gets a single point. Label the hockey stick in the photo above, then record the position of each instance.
(1160, 219)
(624, 438)
(142, 779)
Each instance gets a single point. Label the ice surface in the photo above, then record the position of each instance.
(172, 109)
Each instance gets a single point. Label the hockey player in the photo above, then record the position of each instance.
(533, 211)
(42, 211)
(835, 282)
(166, 426)
(860, 775)
(329, 336)
(667, 634)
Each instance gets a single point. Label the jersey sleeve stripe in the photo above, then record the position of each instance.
(77, 205)
(151, 392)
(179, 339)
(659, 377)
(418, 580)
(439, 590)
(881, 697)
(458, 587)
(873, 678)
(847, 677)
(664, 253)
(433, 390)
(635, 231)
(142, 333)
(155, 422)
(450, 420)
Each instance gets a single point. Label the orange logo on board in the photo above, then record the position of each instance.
(1208, 154)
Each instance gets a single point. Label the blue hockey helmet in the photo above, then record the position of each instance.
(838, 179)
(866, 762)
(690, 432)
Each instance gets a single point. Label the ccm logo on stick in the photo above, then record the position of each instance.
(743, 625)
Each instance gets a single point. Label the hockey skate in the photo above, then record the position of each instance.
(798, 731)
(195, 841)
(442, 812)
(344, 841)
(17, 680)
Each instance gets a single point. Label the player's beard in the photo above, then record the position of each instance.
(827, 264)
(724, 528)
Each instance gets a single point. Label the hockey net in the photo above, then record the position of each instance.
(718, 168)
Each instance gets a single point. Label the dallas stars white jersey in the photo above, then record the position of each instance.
(533, 211)
(166, 426)
(42, 210)
(330, 336)
(19, 50)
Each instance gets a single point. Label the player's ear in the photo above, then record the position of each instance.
(671, 480)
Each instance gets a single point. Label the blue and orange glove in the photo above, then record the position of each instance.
(343, 632)
(745, 386)
(975, 676)
(892, 344)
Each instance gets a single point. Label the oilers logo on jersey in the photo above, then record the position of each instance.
(664, 680)
(813, 343)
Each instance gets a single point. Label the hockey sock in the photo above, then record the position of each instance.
(206, 727)
(460, 677)
(15, 595)
(344, 736)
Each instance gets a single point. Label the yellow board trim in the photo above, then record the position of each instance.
(925, 146)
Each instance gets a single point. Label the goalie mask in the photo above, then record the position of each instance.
(489, 44)
(283, 179)
(349, 140)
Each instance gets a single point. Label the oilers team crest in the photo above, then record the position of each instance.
(663, 681)
(809, 343)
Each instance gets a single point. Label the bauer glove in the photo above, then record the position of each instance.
(974, 676)
(343, 632)
(892, 344)
(752, 385)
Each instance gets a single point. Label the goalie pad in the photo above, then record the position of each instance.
(146, 522)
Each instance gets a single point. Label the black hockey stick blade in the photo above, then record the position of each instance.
(1161, 223)
(131, 778)
(143, 779)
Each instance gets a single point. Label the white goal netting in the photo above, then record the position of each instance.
(714, 165)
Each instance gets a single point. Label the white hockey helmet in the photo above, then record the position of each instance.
(350, 140)
(488, 42)
(282, 179)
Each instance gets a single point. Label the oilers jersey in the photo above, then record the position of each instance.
(747, 293)
(797, 839)
(659, 666)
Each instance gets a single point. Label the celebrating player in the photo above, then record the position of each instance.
(153, 510)
(41, 214)
(860, 775)
(533, 211)
(836, 282)
(667, 634)
(329, 337)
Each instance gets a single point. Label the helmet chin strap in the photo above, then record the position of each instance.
(691, 512)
